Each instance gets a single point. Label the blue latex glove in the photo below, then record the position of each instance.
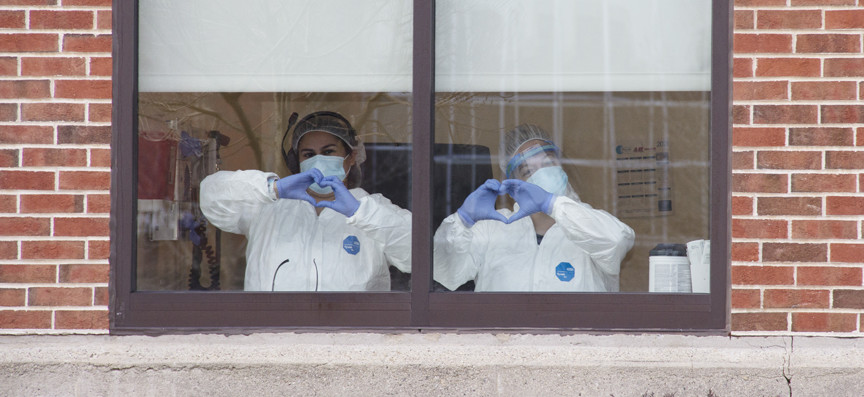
(531, 198)
(480, 204)
(294, 186)
(344, 203)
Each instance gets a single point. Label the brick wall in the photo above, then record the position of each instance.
(55, 113)
(798, 155)
(798, 206)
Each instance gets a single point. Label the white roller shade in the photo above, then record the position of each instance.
(481, 45)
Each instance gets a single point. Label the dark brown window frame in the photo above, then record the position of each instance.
(159, 312)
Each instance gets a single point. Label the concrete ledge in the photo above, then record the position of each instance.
(430, 364)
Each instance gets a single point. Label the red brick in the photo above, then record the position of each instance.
(740, 114)
(31, 66)
(28, 42)
(742, 205)
(82, 89)
(8, 66)
(9, 158)
(28, 2)
(101, 66)
(742, 160)
(742, 67)
(746, 298)
(859, 134)
(789, 160)
(81, 319)
(763, 275)
(8, 204)
(100, 158)
(759, 3)
(788, 67)
(100, 296)
(12, 19)
(844, 19)
(849, 299)
(789, 206)
(823, 2)
(759, 322)
(51, 203)
(847, 253)
(29, 89)
(24, 134)
(824, 229)
(84, 273)
(825, 43)
(44, 157)
(52, 111)
(797, 298)
(52, 250)
(66, 20)
(98, 250)
(19, 319)
(823, 183)
(789, 19)
(755, 136)
(85, 180)
(103, 19)
(785, 114)
(844, 205)
(8, 112)
(87, 43)
(81, 227)
(820, 136)
(791, 252)
(8, 250)
(26, 180)
(823, 90)
(94, 3)
(824, 322)
(99, 112)
(744, 19)
(762, 43)
(98, 203)
(55, 296)
(844, 67)
(14, 226)
(12, 297)
(826, 275)
(759, 90)
(86, 135)
(848, 160)
(759, 228)
(745, 252)
(760, 183)
(843, 114)
(28, 274)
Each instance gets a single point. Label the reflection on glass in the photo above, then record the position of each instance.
(602, 105)
(274, 151)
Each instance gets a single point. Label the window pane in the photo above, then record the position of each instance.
(220, 202)
(617, 94)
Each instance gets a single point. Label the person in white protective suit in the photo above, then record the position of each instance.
(315, 230)
(552, 241)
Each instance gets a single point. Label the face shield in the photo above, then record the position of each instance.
(530, 158)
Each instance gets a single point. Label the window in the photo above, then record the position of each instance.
(633, 95)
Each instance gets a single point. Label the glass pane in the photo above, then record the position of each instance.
(592, 120)
(274, 149)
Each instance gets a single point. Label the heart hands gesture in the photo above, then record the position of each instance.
(480, 204)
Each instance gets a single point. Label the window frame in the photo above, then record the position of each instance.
(161, 312)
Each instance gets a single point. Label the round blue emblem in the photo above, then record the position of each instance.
(351, 245)
(565, 271)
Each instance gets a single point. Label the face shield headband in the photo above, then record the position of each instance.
(520, 158)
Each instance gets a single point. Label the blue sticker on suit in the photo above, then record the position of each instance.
(565, 271)
(351, 245)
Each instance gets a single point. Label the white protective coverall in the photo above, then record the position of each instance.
(582, 251)
(325, 253)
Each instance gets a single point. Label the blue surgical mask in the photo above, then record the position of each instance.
(328, 165)
(551, 179)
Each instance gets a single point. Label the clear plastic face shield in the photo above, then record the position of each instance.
(531, 157)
